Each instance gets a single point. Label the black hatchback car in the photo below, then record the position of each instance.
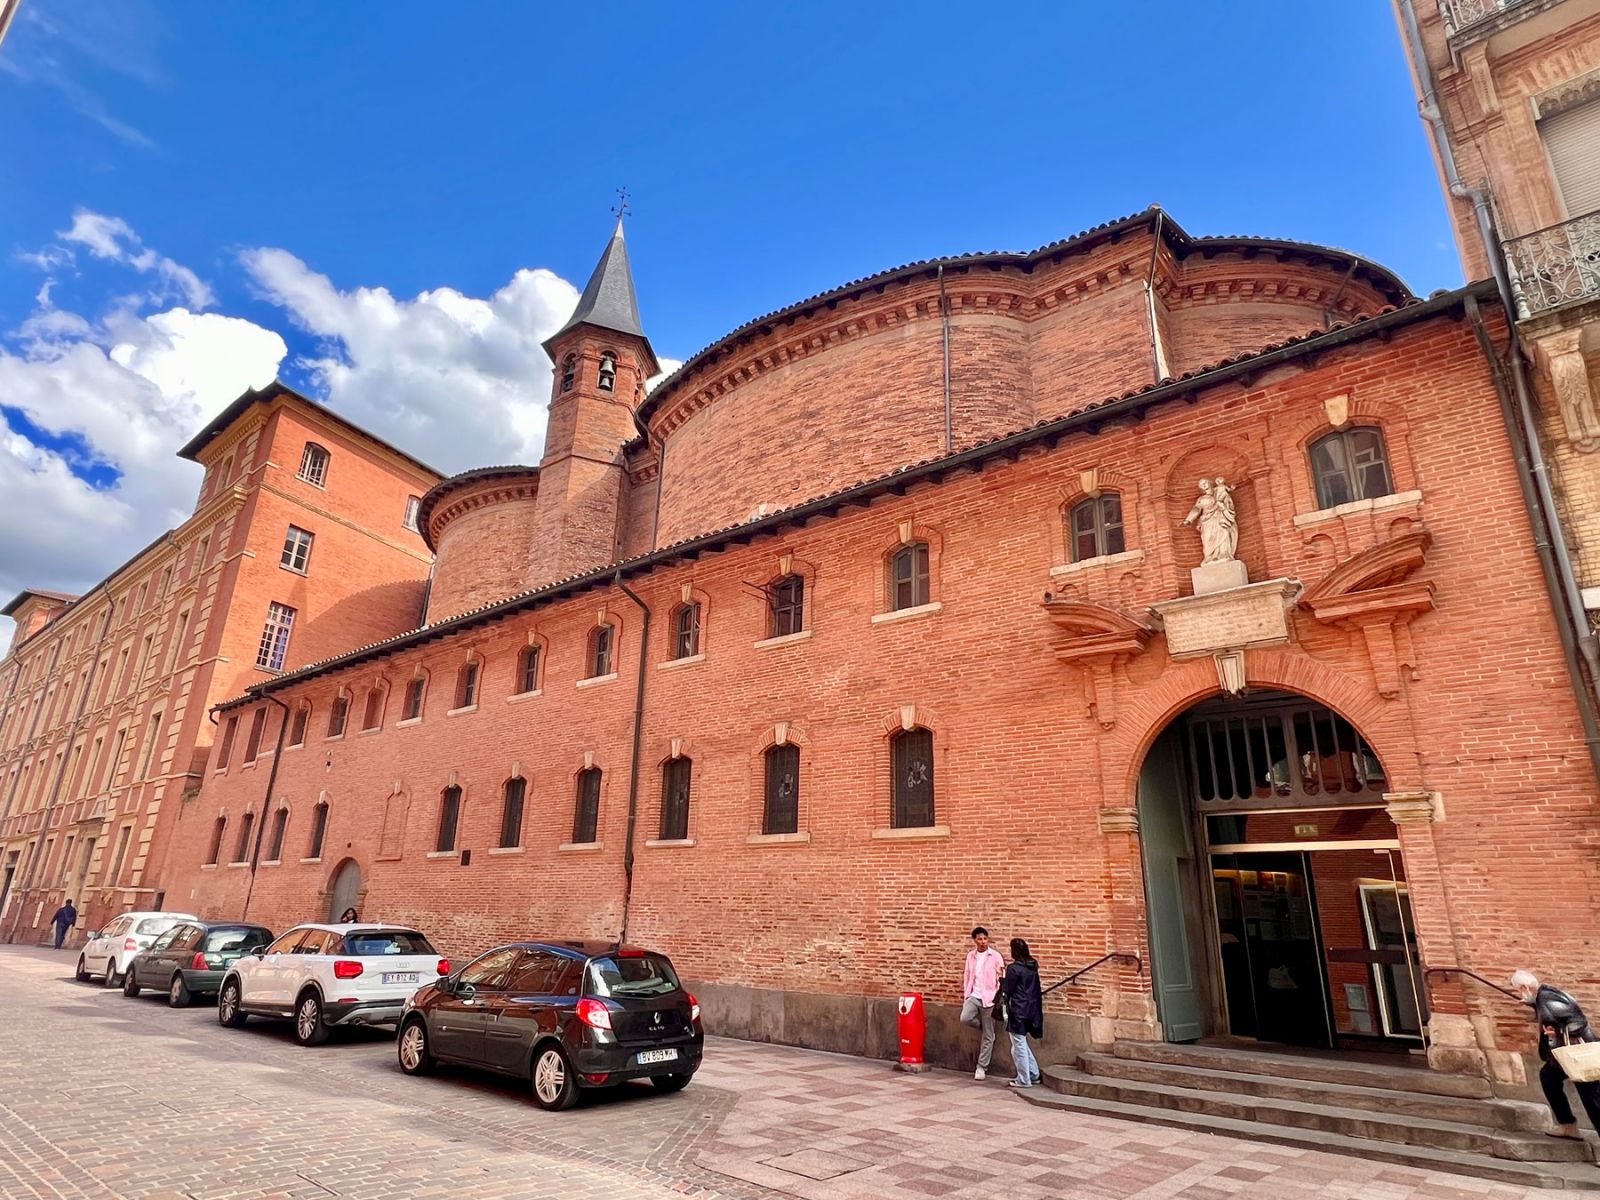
(563, 1015)
(190, 959)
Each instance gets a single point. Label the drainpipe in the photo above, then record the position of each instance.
(944, 320)
(55, 789)
(638, 745)
(1157, 358)
(266, 802)
(1532, 468)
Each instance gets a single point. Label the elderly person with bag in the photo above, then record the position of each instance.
(1562, 1025)
(1024, 1003)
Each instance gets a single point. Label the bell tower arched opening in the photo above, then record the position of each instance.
(1275, 890)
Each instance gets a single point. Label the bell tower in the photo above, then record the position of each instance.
(602, 359)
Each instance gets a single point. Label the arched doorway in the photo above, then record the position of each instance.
(346, 892)
(1274, 884)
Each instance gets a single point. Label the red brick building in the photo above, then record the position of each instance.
(886, 614)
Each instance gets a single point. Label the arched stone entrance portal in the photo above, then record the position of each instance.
(1275, 888)
(346, 890)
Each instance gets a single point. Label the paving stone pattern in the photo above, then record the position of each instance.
(104, 1097)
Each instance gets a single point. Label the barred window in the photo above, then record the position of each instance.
(314, 465)
(415, 691)
(602, 645)
(1094, 527)
(686, 631)
(511, 812)
(908, 576)
(781, 813)
(413, 509)
(280, 825)
(449, 817)
(338, 714)
(319, 828)
(608, 371)
(569, 372)
(215, 854)
(586, 815)
(1350, 464)
(225, 751)
(675, 779)
(467, 685)
(296, 549)
(275, 637)
(528, 670)
(786, 601)
(374, 713)
(252, 745)
(241, 852)
(911, 757)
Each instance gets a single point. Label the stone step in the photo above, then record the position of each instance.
(1327, 1118)
(1495, 1114)
(1320, 1070)
(1577, 1175)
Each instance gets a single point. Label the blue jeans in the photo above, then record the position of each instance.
(1022, 1055)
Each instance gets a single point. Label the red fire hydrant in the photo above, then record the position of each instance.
(913, 1032)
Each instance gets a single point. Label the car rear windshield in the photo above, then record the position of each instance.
(153, 925)
(219, 940)
(386, 941)
(622, 976)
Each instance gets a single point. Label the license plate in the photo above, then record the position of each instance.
(654, 1056)
(400, 977)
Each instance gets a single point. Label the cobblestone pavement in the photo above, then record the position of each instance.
(103, 1097)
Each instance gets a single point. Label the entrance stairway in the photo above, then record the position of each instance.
(1397, 1114)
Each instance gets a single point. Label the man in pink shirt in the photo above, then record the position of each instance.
(979, 984)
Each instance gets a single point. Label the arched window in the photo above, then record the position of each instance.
(297, 727)
(467, 684)
(319, 829)
(781, 812)
(225, 751)
(608, 371)
(569, 372)
(908, 576)
(280, 826)
(252, 744)
(511, 812)
(241, 852)
(217, 831)
(314, 465)
(786, 606)
(338, 715)
(449, 819)
(1350, 464)
(602, 650)
(373, 716)
(528, 670)
(911, 760)
(686, 630)
(675, 779)
(1094, 527)
(416, 690)
(586, 813)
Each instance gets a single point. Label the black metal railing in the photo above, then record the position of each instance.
(1138, 966)
(1430, 971)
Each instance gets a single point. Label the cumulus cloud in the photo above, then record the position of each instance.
(110, 237)
(458, 380)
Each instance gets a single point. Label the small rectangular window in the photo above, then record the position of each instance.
(374, 713)
(274, 647)
(467, 686)
(252, 745)
(675, 782)
(314, 465)
(528, 670)
(319, 827)
(226, 750)
(280, 823)
(602, 641)
(247, 824)
(908, 571)
(414, 693)
(586, 818)
(686, 631)
(912, 762)
(787, 604)
(511, 816)
(296, 549)
(337, 715)
(449, 816)
(413, 507)
(782, 809)
(297, 730)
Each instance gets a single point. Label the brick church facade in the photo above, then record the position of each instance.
(880, 617)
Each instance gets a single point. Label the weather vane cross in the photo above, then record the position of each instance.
(620, 209)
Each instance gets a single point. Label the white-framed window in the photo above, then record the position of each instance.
(314, 465)
(297, 549)
(413, 507)
(275, 637)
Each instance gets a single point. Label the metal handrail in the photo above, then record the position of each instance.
(1427, 971)
(1138, 966)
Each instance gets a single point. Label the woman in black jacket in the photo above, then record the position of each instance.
(1024, 1012)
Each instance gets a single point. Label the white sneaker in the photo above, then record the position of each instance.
(980, 1073)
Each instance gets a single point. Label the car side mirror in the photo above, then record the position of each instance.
(258, 951)
(460, 987)
(94, 933)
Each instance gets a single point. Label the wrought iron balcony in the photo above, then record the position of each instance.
(1465, 16)
(1555, 266)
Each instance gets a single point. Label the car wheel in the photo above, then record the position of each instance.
(416, 1057)
(228, 1011)
(130, 985)
(309, 1028)
(112, 979)
(555, 1087)
(82, 973)
(178, 993)
(670, 1083)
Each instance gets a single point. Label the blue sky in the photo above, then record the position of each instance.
(366, 182)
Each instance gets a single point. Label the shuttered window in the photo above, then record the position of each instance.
(1573, 141)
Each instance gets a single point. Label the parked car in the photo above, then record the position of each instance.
(563, 1015)
(328, 975)
(109, 950)
(190, 959)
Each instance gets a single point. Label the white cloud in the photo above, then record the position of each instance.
(460, 381)
(110, 237)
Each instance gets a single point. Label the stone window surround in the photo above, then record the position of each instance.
(1127, 558)
(1352, 508)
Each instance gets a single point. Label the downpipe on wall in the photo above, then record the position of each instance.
(638, 746)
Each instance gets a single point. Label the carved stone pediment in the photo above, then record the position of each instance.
(1383, 564)
(1372, 592)
(1098, 638)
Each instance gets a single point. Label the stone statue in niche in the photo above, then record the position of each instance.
(1219, 525)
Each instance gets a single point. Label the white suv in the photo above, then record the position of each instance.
(108, 951)
(326, 975)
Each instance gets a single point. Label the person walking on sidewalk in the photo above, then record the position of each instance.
(1561, 1023)
(66, 917)
(979, 985)
(1024, 1012)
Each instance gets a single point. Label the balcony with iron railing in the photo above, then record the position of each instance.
(1553, 267)
(1469, 20)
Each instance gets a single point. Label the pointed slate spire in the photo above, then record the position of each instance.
(608, 300)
